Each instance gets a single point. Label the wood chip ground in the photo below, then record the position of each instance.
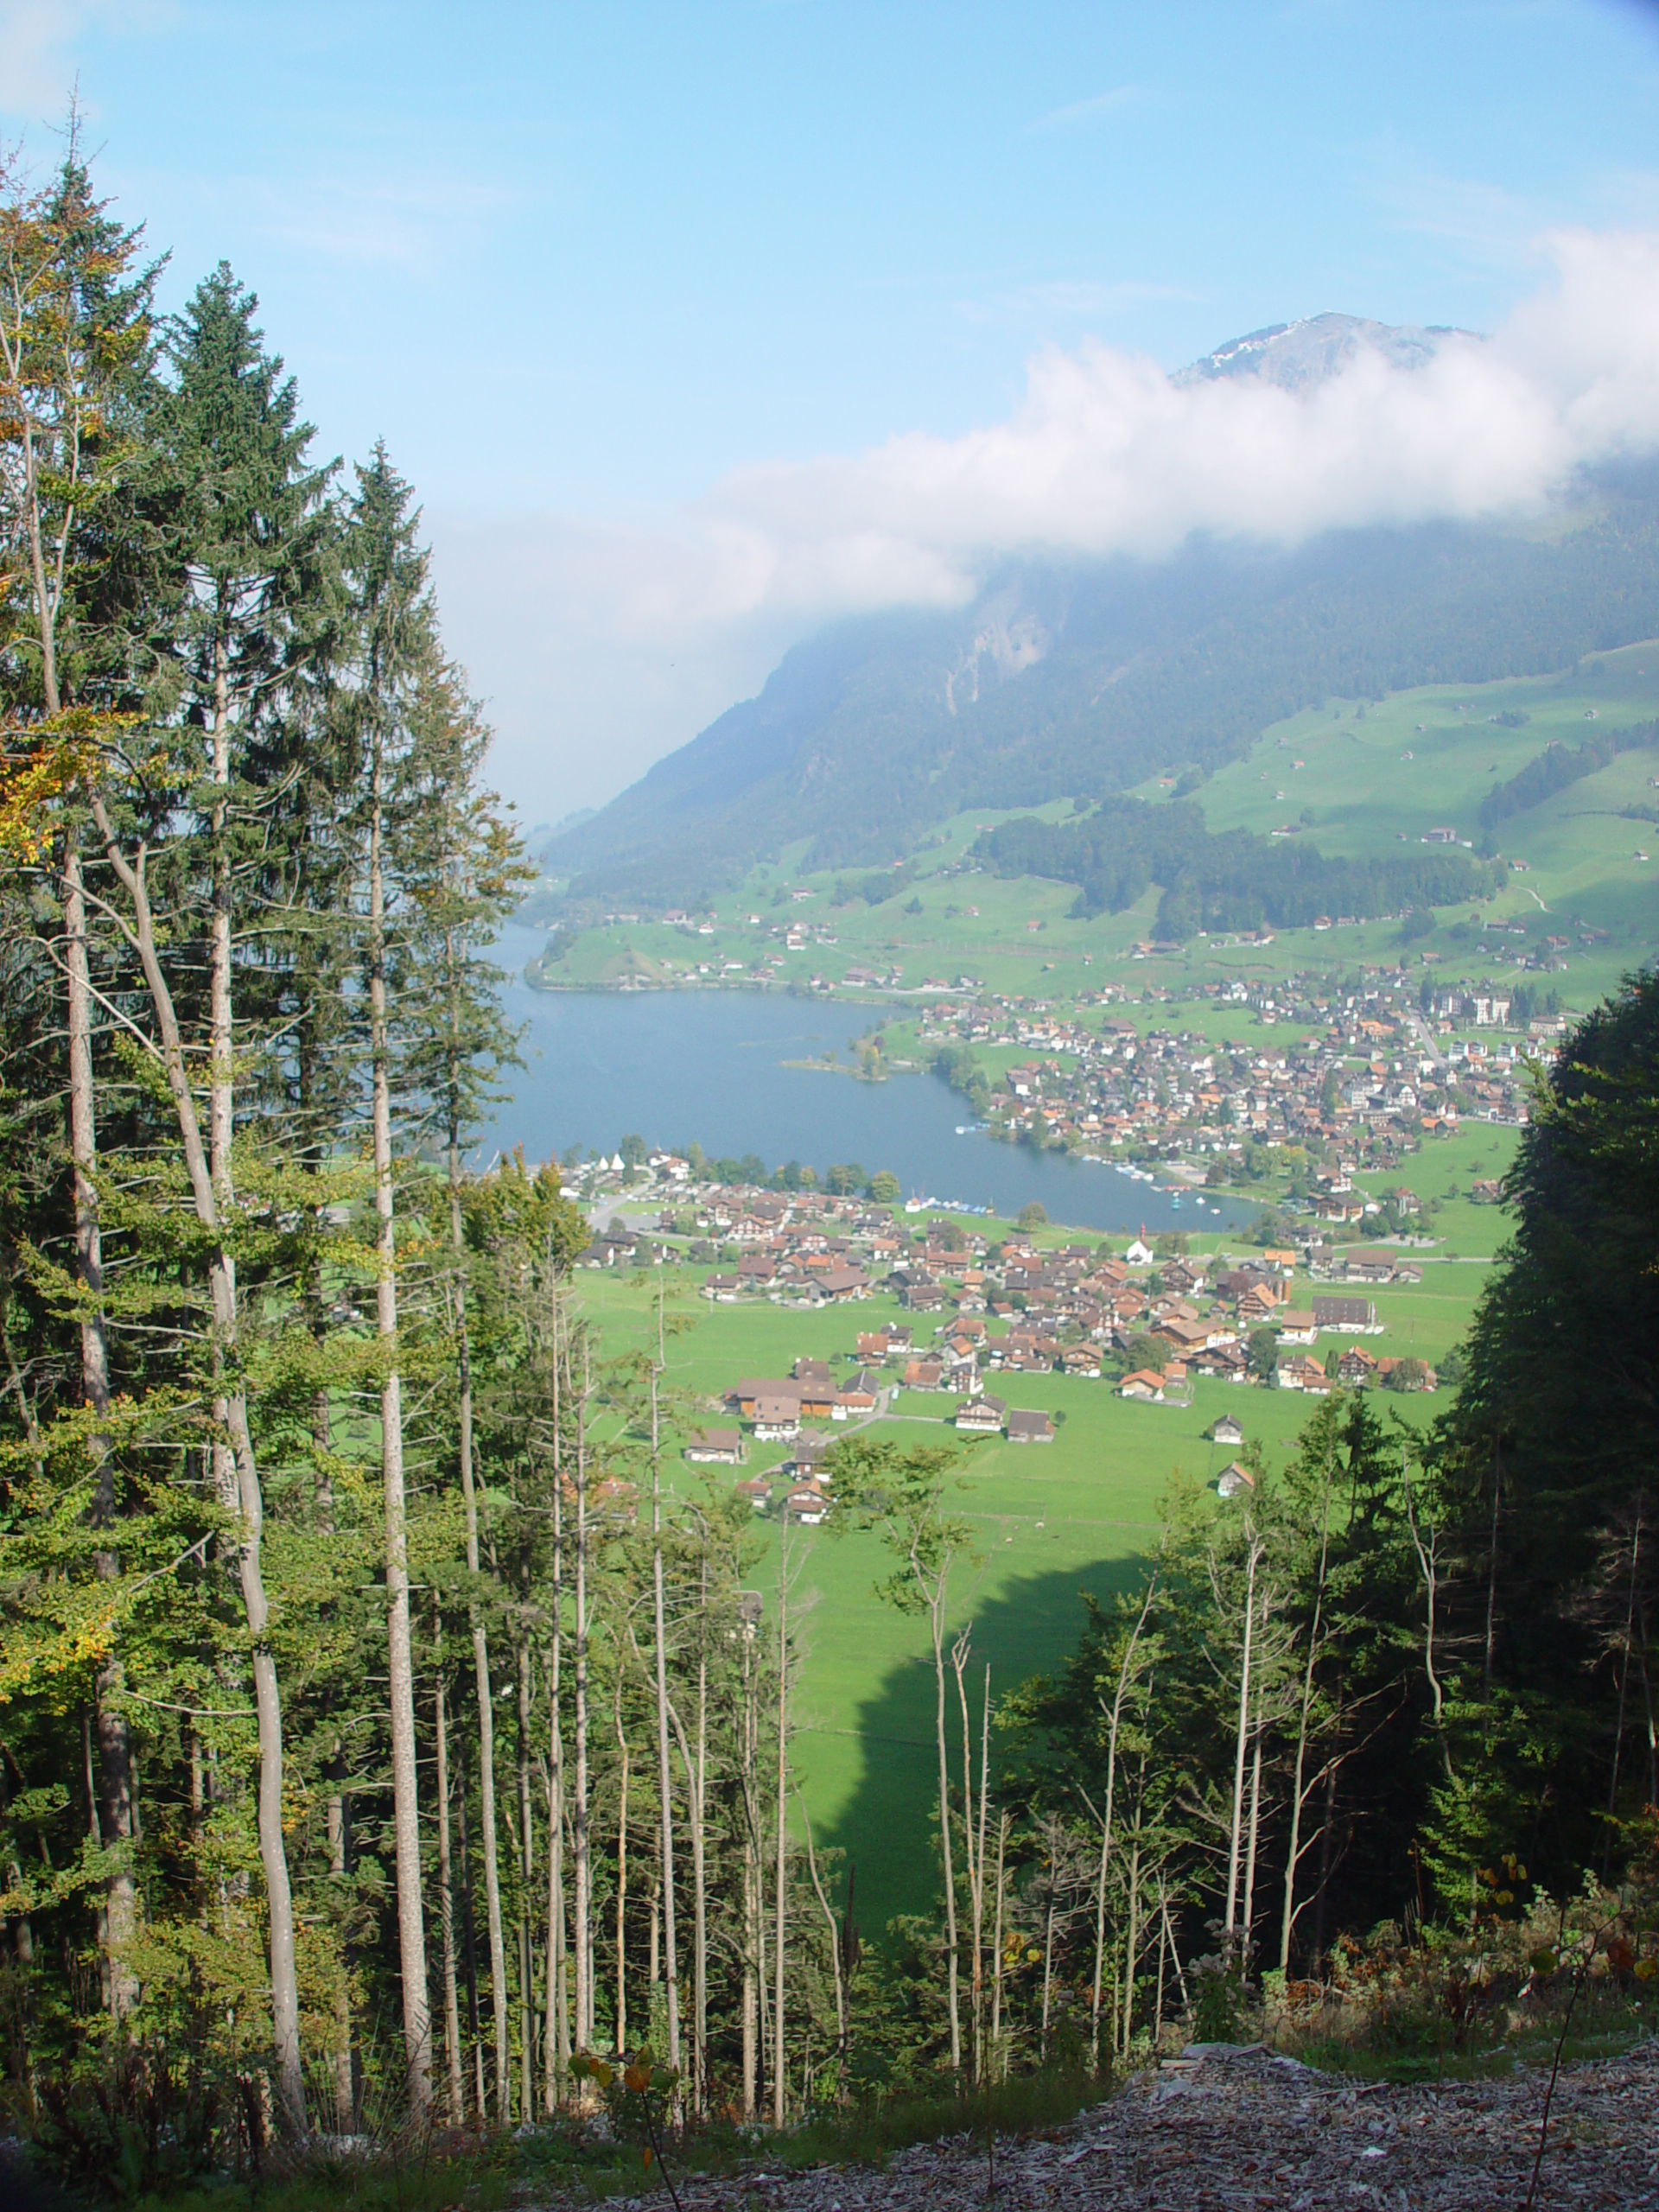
(1230, 2129)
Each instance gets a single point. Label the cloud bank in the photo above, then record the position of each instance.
(1104, 454)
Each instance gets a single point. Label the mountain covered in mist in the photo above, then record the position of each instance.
(1079, 679)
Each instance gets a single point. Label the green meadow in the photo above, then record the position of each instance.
(1047, 1523)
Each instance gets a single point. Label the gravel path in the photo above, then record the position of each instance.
(1227, 2129)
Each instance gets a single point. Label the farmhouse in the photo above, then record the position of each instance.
(714, 1448)
(1030, 1427)
(980, 1416)
(777, 1420)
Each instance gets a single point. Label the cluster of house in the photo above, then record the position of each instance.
(983, 1311)
(1366, 1077)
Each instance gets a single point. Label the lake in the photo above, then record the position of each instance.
(706, 1067)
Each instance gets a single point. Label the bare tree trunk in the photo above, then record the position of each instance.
(481, 1647)
(526, 1890)
(935, 1620)
(959, 1653)
(556, 2028)
(1241, 1745)
(699, 1875)
(1298, 1787)
(114, 1730)
(836, 1963)
(445, 1893)
(581, 1927)
(469, 1949)
(1131, 1933)
(1255, 1826)
(779, 2074)
(752, 1975)
(670, 1956)
(1114, 1722)
(246, 1498)
(400, 1658)
(622, 1874)
(996, 1939)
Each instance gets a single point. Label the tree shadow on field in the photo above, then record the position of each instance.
(888, 1826)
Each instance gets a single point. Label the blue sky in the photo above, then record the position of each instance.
(584, 267)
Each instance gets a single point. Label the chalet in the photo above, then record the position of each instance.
(807, 1504)
(1225, 1362)
(1225, 1430)
(1356, 1367)
(1145, 1384)
(980, 1416)
(746, 1394)
(838, 1286)
(1257, 1304)
(811, 1370)
(1235, 1478)
(1304, 1374)
(775, 1419)
(1297, 1327)
(1082, 1359)
(1346, 1316)
(723, 1290)
(924, 1375)
(857, 1398)
(758, 1492)
(714, 1448)
(1025, 1427)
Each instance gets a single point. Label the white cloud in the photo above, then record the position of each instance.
(1104, 454)
(37, 37)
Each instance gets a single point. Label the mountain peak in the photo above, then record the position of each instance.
(1295, 356)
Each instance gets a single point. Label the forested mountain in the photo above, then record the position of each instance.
(1077, 680)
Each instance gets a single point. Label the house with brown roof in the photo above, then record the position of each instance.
(775, 1419)
(714, 1448)
(1145, 1384)
(1030, 1427)
(980, 1416)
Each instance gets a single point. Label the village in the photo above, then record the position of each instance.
(1376, 1069)
(1145, 1318)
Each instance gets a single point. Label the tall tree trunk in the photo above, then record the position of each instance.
(114, 1730)
(779, 2072)
(1241, 1749)
(751, 1877)
(622, 1874)
(936, 1620)
(400, 1659)
(1298, 1787)
(1115, 1719)
(246, 1498)
(670, 1956)
(996, 1938)
(526, 1890)
(483, 1688)
(582, 1870)
(699, 1876)
(469, 1949)
(446, 1890)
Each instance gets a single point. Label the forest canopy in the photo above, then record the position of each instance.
(1230, 880)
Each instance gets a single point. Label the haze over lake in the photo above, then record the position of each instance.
(708, 1067)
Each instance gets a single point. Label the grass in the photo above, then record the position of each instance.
(565, 2159)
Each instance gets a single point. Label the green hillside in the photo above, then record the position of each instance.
(1087, 680)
